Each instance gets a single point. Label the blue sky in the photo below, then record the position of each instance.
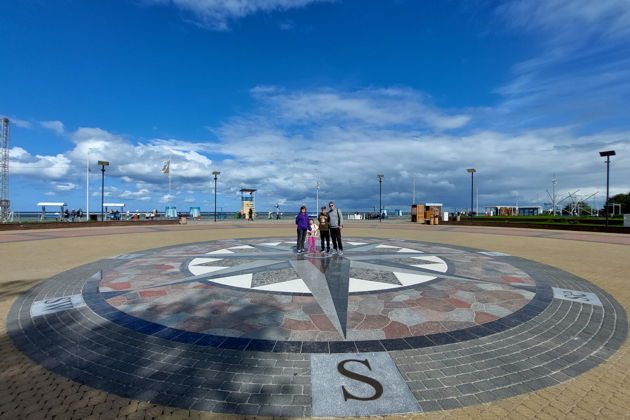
(281, 94)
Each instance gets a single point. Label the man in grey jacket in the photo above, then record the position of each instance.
(335, 224)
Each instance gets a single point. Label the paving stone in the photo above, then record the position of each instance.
(530, 354)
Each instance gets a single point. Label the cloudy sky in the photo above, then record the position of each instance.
(279, 95)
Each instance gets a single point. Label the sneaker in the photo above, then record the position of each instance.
(334, 251)
(340, 253)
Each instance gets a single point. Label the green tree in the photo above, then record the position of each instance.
(624, 200)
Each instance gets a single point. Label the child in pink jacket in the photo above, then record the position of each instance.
(313, 230)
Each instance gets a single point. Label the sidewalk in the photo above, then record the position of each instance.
(29, 391)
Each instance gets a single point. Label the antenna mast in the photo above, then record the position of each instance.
(5, 204)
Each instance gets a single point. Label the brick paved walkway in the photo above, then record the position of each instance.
(29, 391)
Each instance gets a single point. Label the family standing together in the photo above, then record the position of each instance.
(329, 228)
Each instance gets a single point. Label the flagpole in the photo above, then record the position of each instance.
(169, 179)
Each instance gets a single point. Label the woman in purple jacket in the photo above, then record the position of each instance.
(301, 220)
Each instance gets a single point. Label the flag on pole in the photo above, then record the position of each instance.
(166, 168)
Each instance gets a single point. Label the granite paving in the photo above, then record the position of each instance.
(486, 329)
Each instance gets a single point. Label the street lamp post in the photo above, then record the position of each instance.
(317, 198)
(472, 189)
(216, 174)
(103, 164)
(380, 199)
(607, 154)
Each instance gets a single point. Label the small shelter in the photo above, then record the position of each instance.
(170, 212)
(56, 215)
(247, 202)
(117, 210)
(426, 213)
(195, 212)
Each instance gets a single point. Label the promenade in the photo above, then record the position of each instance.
(593, 382)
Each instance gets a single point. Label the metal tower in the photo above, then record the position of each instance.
(5, 205)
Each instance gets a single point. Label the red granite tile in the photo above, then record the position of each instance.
(117, 301)
(396, 330)
(458, 303)
(295, 324)
(522, 280)
(119, 286)
(441, 305)
(483, 317)
(354, 319)
(322, 322)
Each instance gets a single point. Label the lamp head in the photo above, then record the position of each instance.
(380, 176)
(607, 153)
(103, 163)
(471, 170)
(215, 173)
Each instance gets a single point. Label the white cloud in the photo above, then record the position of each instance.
(376, 107)
(284, 154)
(343, 142)
(579, 72)
(141, 194)
(56, 126)
(564, 19)
(142, 161)
(217, 14)
(21, 162)
(67, 186)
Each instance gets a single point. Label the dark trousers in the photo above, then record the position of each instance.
(325, 235)
(301, 235)
(335, 235)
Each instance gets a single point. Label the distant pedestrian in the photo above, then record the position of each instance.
(323, 220)
(312, 236)
(73, 214)
(251, 215)
(302, 222)
(335, 225)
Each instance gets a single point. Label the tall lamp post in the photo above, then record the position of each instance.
(216, 174)
(103, 164)
(607, 154)
(317, 198)
(380, 199)
(87, 185)
(472, 189)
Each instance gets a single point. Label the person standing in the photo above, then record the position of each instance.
(323, 220)
(251, 214)
(335, 224)
(312, 236)
(301, 220)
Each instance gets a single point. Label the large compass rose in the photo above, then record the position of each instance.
(330, 279)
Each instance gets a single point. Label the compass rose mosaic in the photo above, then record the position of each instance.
(248, 326)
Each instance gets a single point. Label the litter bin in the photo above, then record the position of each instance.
(183, 220)
(459, 218)
(93, 217)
